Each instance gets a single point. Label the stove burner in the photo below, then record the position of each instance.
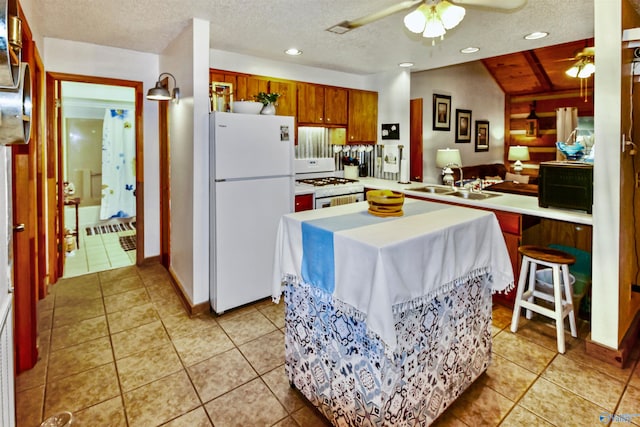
(329, 180)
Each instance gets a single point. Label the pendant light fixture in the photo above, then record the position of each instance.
(433, 18)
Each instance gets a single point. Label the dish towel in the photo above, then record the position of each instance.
(343, 200)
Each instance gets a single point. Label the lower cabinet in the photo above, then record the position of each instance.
(304, 202)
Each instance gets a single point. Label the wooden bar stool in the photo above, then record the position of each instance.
(559, 261)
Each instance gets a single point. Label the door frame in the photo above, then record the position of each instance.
(54, 138)
(416, 169)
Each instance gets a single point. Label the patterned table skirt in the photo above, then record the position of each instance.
(354, 379)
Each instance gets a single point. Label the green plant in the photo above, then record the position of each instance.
(267, 98)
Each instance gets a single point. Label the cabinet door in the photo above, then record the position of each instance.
(288, 100)
(310, 103)
(335, 106)
(304, 202)
(248, 87)
(363, 117)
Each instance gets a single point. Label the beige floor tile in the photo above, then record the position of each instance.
(203, 345)
(124, 284)
(70, 314)
(278, 383)
(125, 300)
(196, 418)
(45, 320)
(246, 327)
(76, 284)
(522, 351)
(307, 417)
(559, 406)
(147, 366)
(480, 405)
(169, 308)
(635, 377)
(34, 377)
(220, 374)
(131, 318)
(252, 404)
(139, 339)
(29, 404)
(82, 390)
(80, 357)
(507, 378)
(160, 401)
(630, 404)
(287, 422)
(274, 312)
(46, 303)
(266, 352)
(447, 419)
(181, 324)
(542, 331)
(117, 274)
(495, 330)
(162, 291)
(578, 354)
(522, 417)
(588, 383)
(82, 331)
(501, 316)
(108, 413)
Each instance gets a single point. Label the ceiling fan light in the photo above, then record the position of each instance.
(449, 14)
(416, 20)
(574, 70)
(587, 70)
(434, 27)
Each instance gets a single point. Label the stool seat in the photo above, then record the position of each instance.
(562, 297)
(550, 255)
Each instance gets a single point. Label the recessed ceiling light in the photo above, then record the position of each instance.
(293, 51)
(536, 35)
(470, 49)
(405, 64)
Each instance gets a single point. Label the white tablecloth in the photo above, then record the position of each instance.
(382, 265)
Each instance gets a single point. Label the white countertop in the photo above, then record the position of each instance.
(506, 202)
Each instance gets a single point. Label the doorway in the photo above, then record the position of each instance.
(98, 132)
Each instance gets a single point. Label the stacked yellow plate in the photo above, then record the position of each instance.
(385, 202)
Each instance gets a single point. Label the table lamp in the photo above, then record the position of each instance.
(518, 153)
(445, 158)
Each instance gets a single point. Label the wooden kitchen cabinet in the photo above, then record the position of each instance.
(248, 87)
(362, 126)
(304, 202)
(288, 100)
(322, 105)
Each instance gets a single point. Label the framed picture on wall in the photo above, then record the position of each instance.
(482, 135)
(463, 126)
(441, 112)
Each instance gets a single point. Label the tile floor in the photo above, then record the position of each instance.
(117, 349)
(98, 252)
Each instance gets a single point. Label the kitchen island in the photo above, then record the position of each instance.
(388, 320)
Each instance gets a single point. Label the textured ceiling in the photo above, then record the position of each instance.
(266, 28)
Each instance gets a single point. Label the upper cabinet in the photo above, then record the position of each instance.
(363, 117)
(322, 105)
(287, 102)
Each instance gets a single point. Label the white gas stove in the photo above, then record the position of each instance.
(329, 189)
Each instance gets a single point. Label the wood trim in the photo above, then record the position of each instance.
(192, 310)
(621, 356)
(538, 71)
(165, 185)
(415, 139)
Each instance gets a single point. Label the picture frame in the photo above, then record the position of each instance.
(482, 135)
(463, 126)
(390, 130)
(441, 112)
(221, 96)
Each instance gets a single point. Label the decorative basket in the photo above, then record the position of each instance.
(385, 202)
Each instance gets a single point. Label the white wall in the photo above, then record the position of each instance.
(471, 87)
(187, 59)
(606, 175)
(70, 57)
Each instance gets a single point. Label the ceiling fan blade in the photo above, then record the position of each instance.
(398, 7)
(498, 5)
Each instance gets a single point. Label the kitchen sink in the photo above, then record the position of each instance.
(472, 196)
(433, 189)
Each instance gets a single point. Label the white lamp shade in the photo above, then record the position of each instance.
(448, 156)
(587, 70)
(416, 20)
(518, 152)
(450, 15)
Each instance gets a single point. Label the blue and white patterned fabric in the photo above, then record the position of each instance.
(342, 367)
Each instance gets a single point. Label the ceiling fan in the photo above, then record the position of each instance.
(430, 17)
(584, 66)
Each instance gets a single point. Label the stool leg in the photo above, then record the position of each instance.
(557, 297)
(522, 281)
(569, 298)
(533, 267)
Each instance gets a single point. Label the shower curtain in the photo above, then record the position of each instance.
(118, 164)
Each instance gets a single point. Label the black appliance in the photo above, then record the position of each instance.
(567, 185)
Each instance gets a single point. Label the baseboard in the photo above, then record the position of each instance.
(192, 310)
(619, 357)
(151, 260)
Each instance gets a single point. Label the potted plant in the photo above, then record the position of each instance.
(269, 100)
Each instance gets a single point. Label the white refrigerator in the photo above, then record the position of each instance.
(251, 187)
